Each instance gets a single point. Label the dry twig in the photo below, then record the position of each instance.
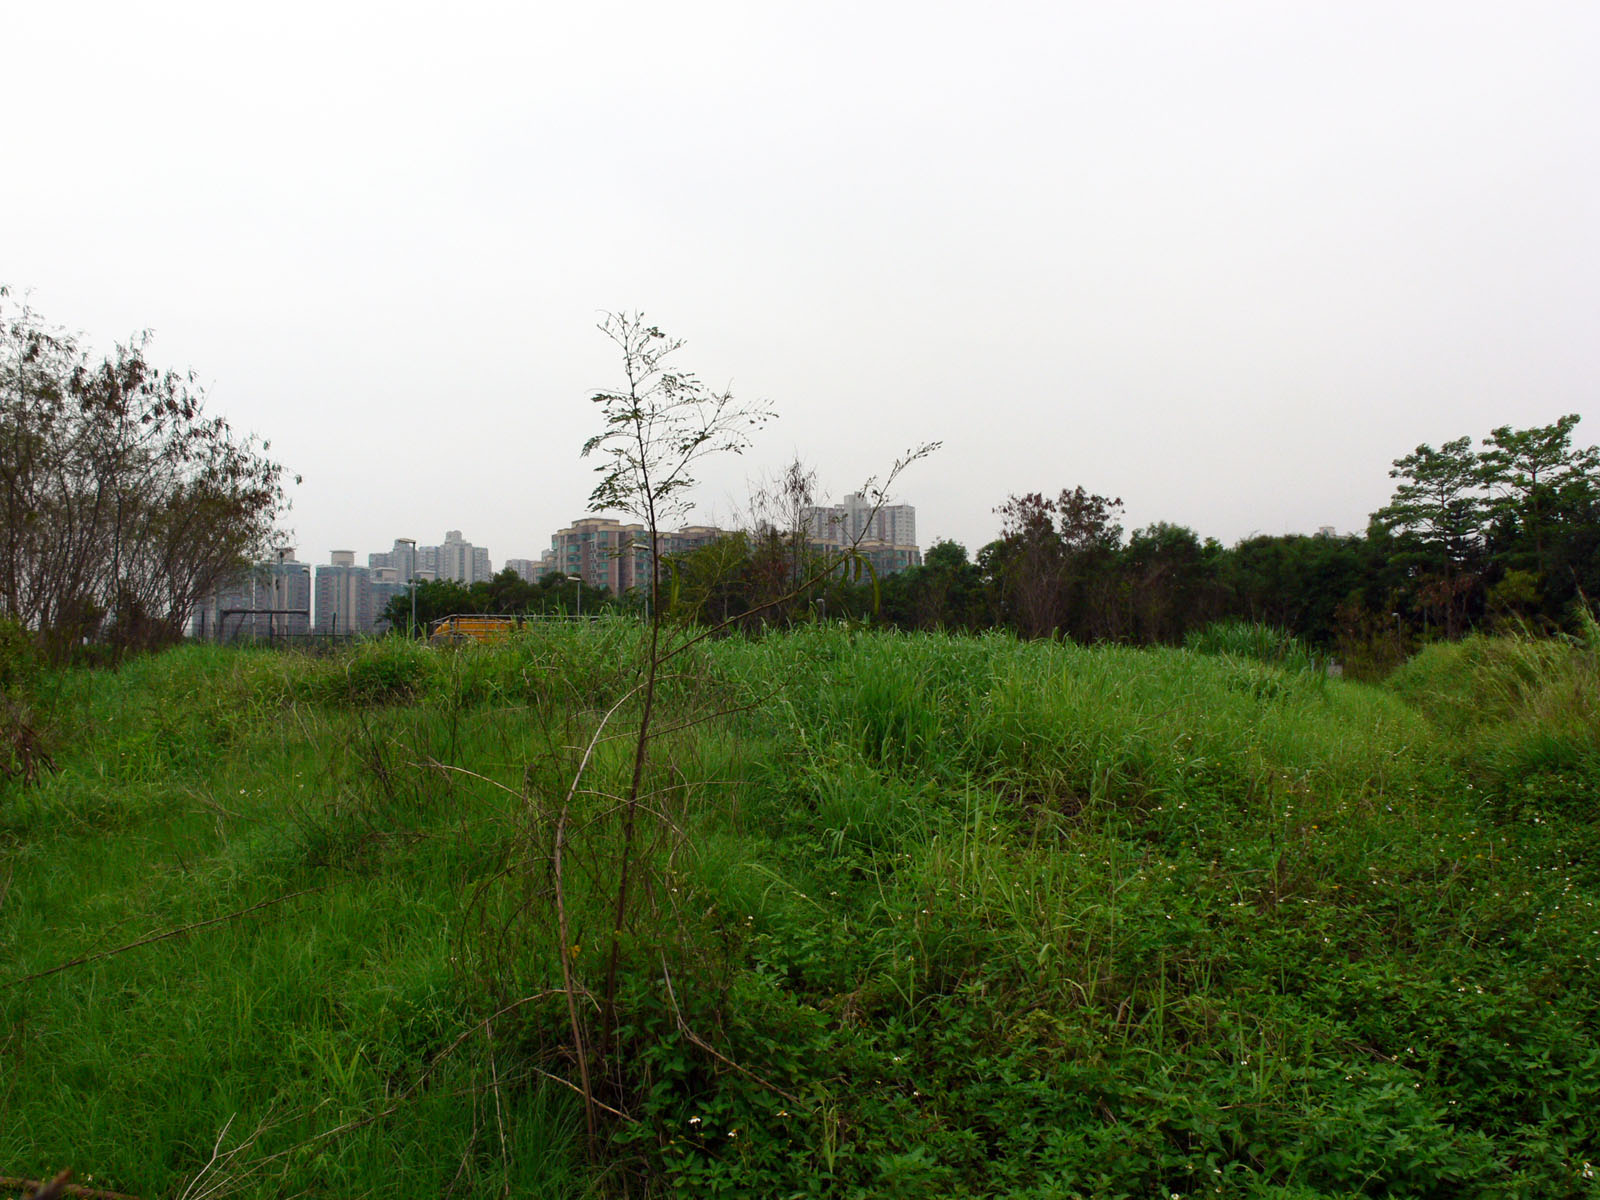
(161, 937)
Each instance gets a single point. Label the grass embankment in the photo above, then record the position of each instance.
(971, 916)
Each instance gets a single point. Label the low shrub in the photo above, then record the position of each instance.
(19, 657)
(24, 737)
(389, 671)
(24, 742)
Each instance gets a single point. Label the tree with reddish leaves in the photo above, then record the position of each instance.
(1027, 564)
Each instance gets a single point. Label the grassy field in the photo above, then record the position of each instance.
(914, 916)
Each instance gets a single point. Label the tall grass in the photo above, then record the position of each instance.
(1245, 639)
(922, 915)
(1523, 715)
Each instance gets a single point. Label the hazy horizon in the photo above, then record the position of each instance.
(1225, 262)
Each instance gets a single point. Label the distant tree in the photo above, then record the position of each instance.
(1297, 582)
(1054, 566)
(951, 589)
(1439, 502)
(435, 599)
(570, 595)
(780, 511)
(509, 592)
(1172, 581)
(1092, 583)
(1088, 523)
(710, 584)
(506, 594)
(945, 592)
(1572, 555)
(1027, 563)
(1536, 475)
(1436, 519)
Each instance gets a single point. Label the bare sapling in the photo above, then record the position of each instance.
(655, 427)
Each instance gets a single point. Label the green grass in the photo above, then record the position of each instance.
(939, 916)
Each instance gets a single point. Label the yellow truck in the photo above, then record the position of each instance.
(461, 629)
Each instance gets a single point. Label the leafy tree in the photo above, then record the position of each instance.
(1436, 516)
(1055, 564)
(1091, 539)
(1543, 491)
(782, 539)
(1439, 503)
(711, 583)
(1172, 581)
(945, 592)
(1026, 564)
(951, 589)
(435, 599)
(569, 595)
(1297, 583)
(121, 501)
(506, 594)
(1088, 522)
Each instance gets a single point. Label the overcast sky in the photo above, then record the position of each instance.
(1223, 260)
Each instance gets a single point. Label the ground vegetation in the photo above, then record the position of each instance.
(923, 914)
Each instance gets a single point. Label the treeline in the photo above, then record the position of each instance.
(1507, 534)
(506, 593)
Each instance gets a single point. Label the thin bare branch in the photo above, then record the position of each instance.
(163, 936)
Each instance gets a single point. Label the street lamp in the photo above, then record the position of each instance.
(411, 577)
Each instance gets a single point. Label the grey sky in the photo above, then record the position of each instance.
(1223, 260)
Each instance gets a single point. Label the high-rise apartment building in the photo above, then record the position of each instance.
(273, 599)
(602, 552)
(456, 559)
(691, 537)
(402, 558)
(344, 596)
(886, 535)
(858, 518)
(385, 585)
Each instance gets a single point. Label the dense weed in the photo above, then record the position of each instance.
(1262, 643)
(921, 916)
(1524, 716)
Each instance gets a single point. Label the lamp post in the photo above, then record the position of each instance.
(411, 577)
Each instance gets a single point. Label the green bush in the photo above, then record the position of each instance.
(1263, 643)
(19, 657)
(1523, 714)
(387, 671)
(25, 738)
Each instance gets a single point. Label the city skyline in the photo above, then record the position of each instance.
(340, 596)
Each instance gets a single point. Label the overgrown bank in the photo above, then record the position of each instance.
(923, 915)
